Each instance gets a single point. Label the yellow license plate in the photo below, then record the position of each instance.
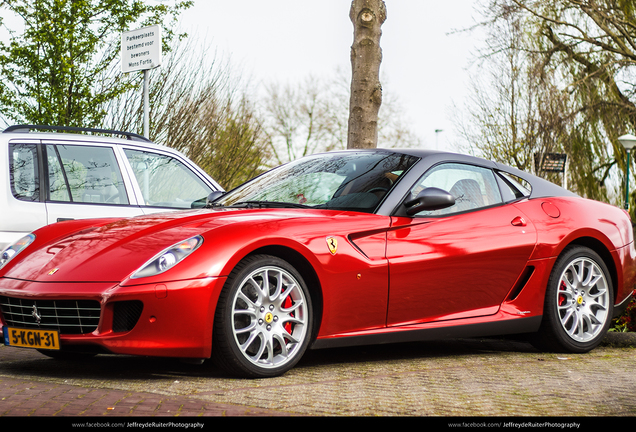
(39, 339)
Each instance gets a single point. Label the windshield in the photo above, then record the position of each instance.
(342, 180)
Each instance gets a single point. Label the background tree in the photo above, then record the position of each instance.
(300, 119)
(199, 106)
(311, 116)
(516, 109)
(583, 56)
(61, 68)
(367, 17)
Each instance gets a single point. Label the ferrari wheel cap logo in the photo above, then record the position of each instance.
(579, 300)
(332, 243)
(53, 271)
(269, 317)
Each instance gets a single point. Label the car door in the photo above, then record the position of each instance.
(85, 181)
(459, 261)
(165, 181)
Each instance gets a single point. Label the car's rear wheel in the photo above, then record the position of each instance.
(263, 319)
(578, 304)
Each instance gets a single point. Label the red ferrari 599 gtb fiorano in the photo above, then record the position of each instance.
(336, 249)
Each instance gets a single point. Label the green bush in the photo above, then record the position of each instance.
(627, 321)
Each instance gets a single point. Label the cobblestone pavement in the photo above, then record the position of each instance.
(447, 378)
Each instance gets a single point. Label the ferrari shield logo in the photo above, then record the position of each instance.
(332, 243)
(52, 271)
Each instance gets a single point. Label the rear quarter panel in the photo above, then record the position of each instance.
(562, 221)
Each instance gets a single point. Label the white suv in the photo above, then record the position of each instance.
(50, 177)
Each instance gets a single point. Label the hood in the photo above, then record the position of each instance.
(112, 252)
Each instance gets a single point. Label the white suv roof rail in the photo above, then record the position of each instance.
(27, 129)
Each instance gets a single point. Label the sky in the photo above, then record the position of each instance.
(424, 57)
(425, 53)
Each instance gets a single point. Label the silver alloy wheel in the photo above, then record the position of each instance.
(583, 299)
(269, 317)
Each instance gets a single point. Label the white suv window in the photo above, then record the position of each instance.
(165, 181)
(25, 182)
(84, 174)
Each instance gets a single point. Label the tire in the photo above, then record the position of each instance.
(578, 303)
(261, 332)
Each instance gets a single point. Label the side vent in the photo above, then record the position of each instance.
(521, 283)
(126, 314)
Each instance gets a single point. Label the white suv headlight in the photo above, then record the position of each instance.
(15, 248)
(168, 258)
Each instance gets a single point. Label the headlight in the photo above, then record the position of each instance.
(168, 258)
(15, 248)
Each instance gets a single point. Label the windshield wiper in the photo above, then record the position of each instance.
(268, 204)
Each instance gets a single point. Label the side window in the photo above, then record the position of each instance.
(165, 181)
(473, 187)
(23, 172)
(512, 187)
(84, 174)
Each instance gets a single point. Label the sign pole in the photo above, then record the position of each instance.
(141, 51)
(146, 104)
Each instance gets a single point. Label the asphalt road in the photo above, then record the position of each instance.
(456, 378)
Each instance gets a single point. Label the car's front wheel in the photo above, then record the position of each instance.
(263, 319)
(578, 304)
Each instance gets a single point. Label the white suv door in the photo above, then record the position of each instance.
(86, 181)
(165, 182)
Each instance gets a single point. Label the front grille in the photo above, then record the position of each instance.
(65, 316)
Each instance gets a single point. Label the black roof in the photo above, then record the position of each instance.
(541, 188)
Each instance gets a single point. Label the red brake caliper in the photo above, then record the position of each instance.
(562, 297)
(287, 304)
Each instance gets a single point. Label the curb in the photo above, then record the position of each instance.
(619, 339)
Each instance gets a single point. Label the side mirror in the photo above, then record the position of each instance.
(429, 199)
(213, 197)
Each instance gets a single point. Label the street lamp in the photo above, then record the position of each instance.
(437, 132)
(627, 141)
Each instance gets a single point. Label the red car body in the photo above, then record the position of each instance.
(392, 277)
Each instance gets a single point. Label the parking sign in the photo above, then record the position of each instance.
(141, 49)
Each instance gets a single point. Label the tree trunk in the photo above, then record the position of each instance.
(367, 17)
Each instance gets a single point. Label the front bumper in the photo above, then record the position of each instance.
(175, 321)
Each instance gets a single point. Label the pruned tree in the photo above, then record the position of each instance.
(367, 17)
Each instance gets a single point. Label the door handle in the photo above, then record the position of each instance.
(518, 221)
